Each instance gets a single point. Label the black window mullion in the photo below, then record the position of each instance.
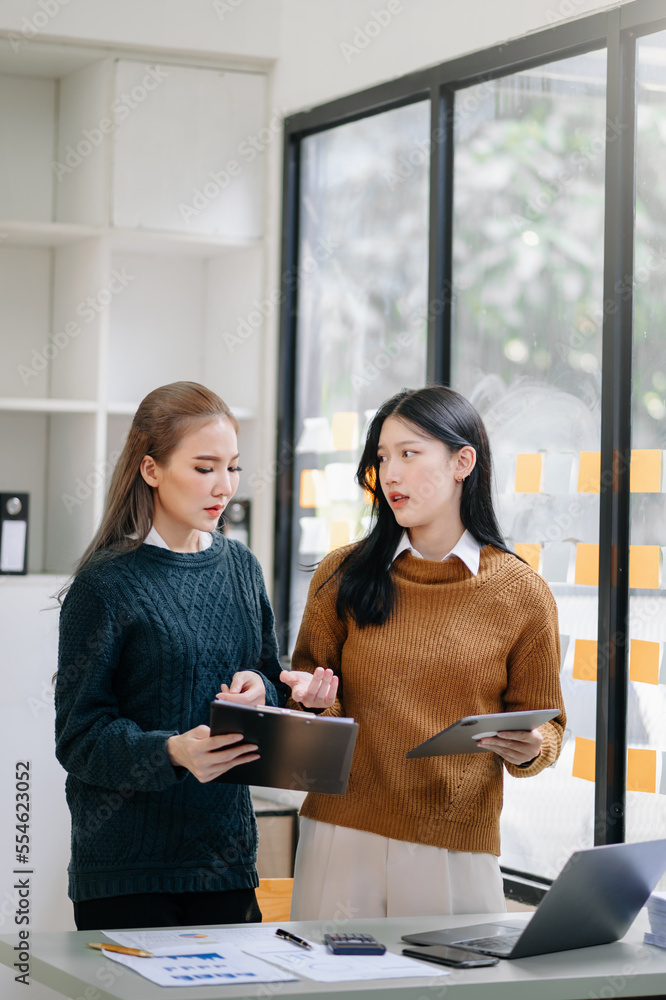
(614, 519)
(439, 262)
(286, 388)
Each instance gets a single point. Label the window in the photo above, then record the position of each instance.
(547, 307)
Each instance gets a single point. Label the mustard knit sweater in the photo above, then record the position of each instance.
(454, 645)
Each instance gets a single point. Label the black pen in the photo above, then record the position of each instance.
(292, 937)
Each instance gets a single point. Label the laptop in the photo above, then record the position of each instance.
(594, 900)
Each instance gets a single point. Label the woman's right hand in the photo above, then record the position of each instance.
(317, 690)
(203, 755)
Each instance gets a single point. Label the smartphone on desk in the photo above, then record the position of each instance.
(446, 954)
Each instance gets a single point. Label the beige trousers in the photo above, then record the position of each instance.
(342, 873)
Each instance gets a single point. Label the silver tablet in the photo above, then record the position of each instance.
(463, 735)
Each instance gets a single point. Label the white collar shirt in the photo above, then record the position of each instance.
(154, 538)
(467, 549)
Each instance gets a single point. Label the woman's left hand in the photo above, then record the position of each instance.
(515, 747)
(246, 688)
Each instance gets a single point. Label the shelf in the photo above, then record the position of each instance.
(122, 409)
(155, 241)
(28, 405)
(19, 233)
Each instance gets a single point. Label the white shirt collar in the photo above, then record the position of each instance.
(154, 538)
(467, 549)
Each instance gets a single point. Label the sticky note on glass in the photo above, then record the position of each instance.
(341, 534)
(589, 472)
(530, 553)
(313, 491)
(644, 661)
(315, 436)
(528, 473)
(587, 564)
(341, 481)
(585, 660)
(644, 566)
(641, 770)
(584, 762)
(645, 471)
(314, 535)
(344, 428)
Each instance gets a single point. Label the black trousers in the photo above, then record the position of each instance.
(168, 909)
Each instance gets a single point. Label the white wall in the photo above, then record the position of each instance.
(325, 51)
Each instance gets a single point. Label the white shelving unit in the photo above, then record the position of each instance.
(131, 243)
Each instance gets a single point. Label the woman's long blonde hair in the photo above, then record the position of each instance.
(161, 421)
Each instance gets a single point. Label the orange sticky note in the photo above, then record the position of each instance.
(528, 473)
(584, 763)
(641, 770)
(645, 471)
(313, 488)
(644, 661)
(340, 534)
(587, 564)
(530, 553)
(589, 472)
(644, 566)
(585, 660)
(344, 428)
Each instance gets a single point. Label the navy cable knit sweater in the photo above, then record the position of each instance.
(146, 639)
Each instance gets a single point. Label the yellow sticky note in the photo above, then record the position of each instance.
(340, 534)
(641, 770)
(530, 553)
(589, 472)
(587, 564)
(644, 566)
(584, 763)
(585, 660)
(645, 471)
(344, 428)
(528, 473)
(644, 661)
(313, 488)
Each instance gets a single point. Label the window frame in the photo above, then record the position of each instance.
(617, 30)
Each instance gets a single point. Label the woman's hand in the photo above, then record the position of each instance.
(316, 690)
(246, 688)
(203, 755)
(515, 747)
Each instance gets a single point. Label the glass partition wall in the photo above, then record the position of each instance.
(484, 212)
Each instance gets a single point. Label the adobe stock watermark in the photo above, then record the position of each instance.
(121, 109)
(567, 8)
(87, 310)
(224, 7)
(246, 327)
(578, 161)
(84, 488)
(365, 34)
(32, 26)
(219, 180)
(463, 107)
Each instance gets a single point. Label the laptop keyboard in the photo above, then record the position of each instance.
(501, 945)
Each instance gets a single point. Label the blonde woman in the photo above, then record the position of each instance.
(162, 612)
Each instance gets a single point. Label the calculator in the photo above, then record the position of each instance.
(353, 944)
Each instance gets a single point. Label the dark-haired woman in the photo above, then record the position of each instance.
(425, 620)
(163, 611)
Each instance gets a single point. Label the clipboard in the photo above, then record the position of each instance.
(298, 750)
(463, 735)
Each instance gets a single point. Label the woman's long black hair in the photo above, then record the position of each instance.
(367, 590)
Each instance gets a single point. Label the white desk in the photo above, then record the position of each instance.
(624, 969)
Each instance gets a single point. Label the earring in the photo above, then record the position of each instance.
(459, 479)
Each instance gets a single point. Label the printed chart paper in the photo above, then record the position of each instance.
(222, 965)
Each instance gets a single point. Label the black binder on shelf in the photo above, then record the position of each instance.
(14, 533)
(300, 751)
(463, 735)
